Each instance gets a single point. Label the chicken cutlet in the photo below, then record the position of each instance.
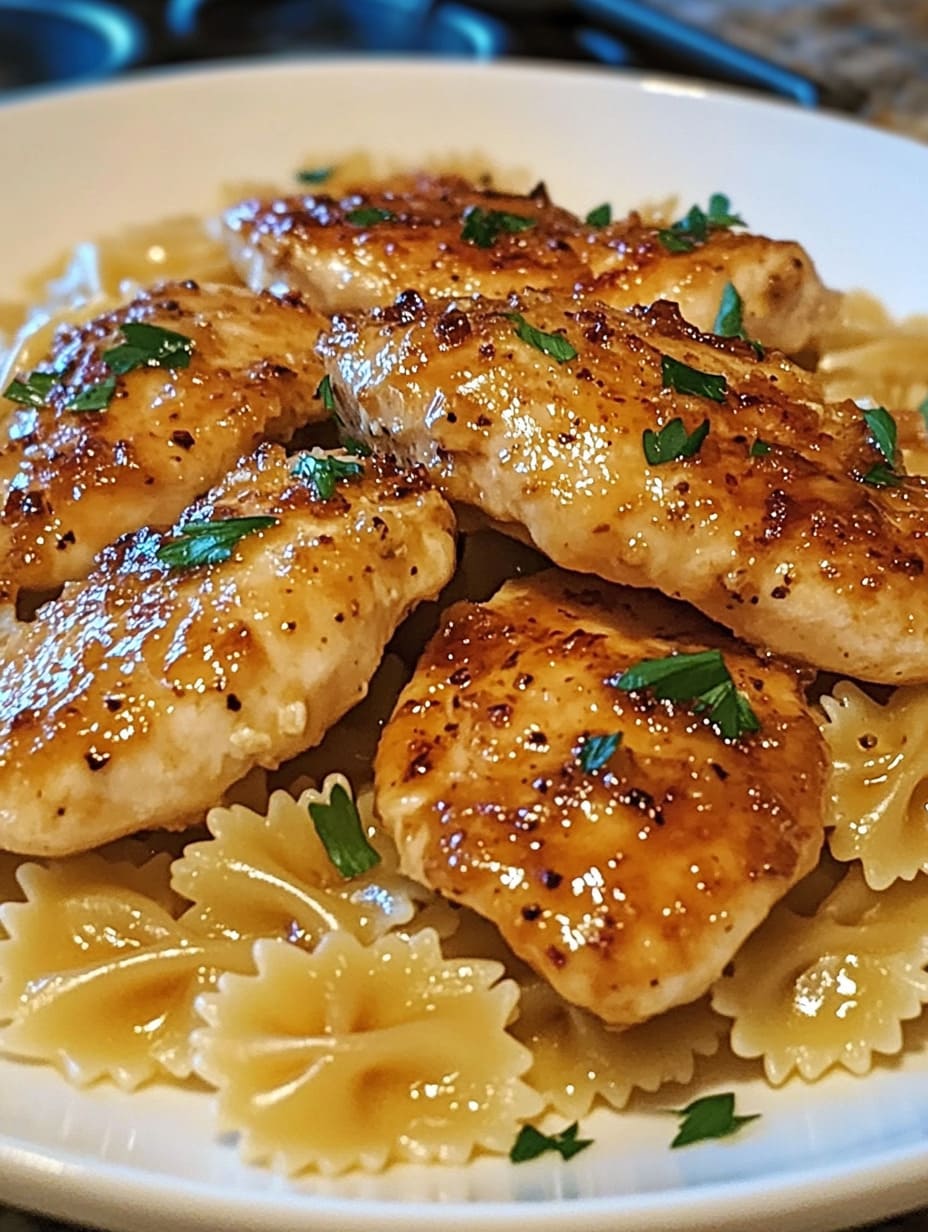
(137, 413)
(190, 655)
(619, 843)
(444, 237)
(630, 446)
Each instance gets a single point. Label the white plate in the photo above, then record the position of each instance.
(82, 164)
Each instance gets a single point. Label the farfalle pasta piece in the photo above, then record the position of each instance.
(270, 876)
(98, 978)
(878, 802)
(811, 992)
(357, 1056)
(577, 1058)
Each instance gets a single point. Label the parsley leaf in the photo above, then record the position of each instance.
(531, 1143)
(368, 216)
(922, 409)
(324, 391)
(338, 824)
(324, 472)
(360, 449)
(882, 432)
(759, 448)
(31, 390)
(597, 750)
(729, 320)
(148, 346)
(713, 1116)
(694, 227)
(882, 476)
(94, 397)
(701, 679)
(314, 175)
(601, 216)
(687, 380)
(673, 442)
(209, 543)
(555, 345)
(484, 227)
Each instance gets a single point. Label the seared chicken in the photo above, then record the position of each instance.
(628, 881)
(72, 480)
(785, 522)
(151, 686)
(428, 233)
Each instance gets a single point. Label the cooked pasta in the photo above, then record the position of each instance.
(405, 1051)
(95, 943)
(878, 799)
(809, 993)
(270, 876)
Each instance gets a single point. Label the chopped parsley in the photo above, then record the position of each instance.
(360, 449)
(695, 226)
(338, 824)
(94, 397)
(368, 216)
(759, 448)
(601, 216)
(148, 346)
(325, 392)
(324, 471)
(314, 175)
(597, 750)
(673, 442)
(713, 1116)
(701, 679)
(31, 390)
(922, 409)
(687, 380)
(555, 345)
(209, 543)
(883, 434)
(531, 1143)
(729, 320)
(484, 227)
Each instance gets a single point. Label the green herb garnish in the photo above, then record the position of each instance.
(325, 471)
(325, 392)
(148, 346)
(694, 227)
(360, 449)
(314, 175)
(31, 390)
(701, 679)
(597, 750)
(713, 1116)
(601, 216)
(555, 345)
(338, 824)
(531, 1143)
(484, 227)
(687, 380)
(94, 397)
(368, 216)
(922, 409)
(882, 476)
(209, 543)
(729, 320)
(883, 432)
(759, 448)
(673, 442)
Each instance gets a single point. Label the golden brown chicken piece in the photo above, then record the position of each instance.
(72, 480)
(628, 878)
(149, 688)
(427, 233)
(775, 525)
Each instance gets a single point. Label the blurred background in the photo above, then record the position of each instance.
(866, 58)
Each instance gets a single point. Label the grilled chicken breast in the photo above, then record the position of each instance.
(150, 687)
(71, 481)
(774, 526)
(435, 234)
(628, 882)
